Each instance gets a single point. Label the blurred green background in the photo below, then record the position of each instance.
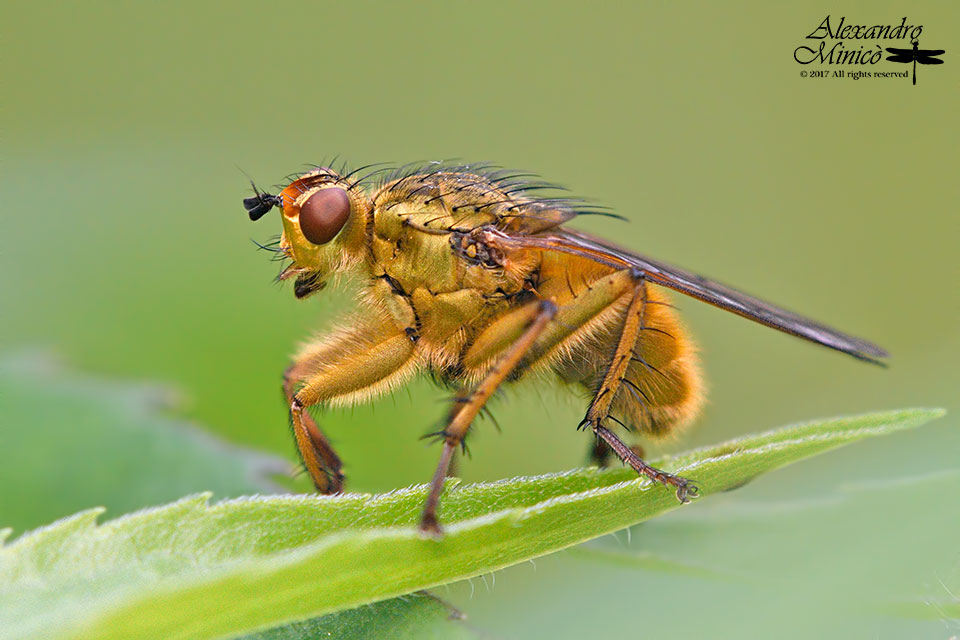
(125, 249)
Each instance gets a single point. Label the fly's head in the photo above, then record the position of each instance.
(325, 220)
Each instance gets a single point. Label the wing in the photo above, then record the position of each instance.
(930, 59)
(901, 58)
(900, 52)
(710, 291)
(534, 217)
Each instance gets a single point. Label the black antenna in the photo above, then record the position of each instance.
(260, 204)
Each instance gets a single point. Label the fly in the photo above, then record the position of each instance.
(469, 275)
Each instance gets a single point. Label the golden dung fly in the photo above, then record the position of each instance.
(468, 274)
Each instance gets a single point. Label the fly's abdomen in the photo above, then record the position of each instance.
(662, 387)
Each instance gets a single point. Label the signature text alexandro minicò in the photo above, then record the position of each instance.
(838, 53)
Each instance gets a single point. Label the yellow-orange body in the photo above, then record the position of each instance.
(471, 277)
(439, 306)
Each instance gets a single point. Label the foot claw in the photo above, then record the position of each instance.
(686, 490)
(430, 528)
(336, 481)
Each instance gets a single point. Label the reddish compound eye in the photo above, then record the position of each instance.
(324, 214)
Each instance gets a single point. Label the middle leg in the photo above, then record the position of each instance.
(468, 406)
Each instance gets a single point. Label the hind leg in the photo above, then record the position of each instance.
(600, 454)
(614, 378)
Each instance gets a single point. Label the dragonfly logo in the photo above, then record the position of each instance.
(915, 55)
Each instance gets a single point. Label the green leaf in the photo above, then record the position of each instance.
(860, 554)
(81, 442)
(125, 454)
(414, 617)
(193, 570)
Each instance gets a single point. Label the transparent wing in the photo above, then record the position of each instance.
(710, 291)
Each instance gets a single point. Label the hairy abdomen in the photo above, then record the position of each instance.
(662, 390)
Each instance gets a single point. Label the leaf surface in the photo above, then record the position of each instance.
(194, 570)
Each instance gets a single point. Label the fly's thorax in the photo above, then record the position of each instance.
(411, 257)
(441, 200)
(441, 261)
(454, 213)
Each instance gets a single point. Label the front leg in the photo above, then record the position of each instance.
(315, 450)
(353, 364)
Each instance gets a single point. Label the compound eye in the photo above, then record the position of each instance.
(324, 214)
